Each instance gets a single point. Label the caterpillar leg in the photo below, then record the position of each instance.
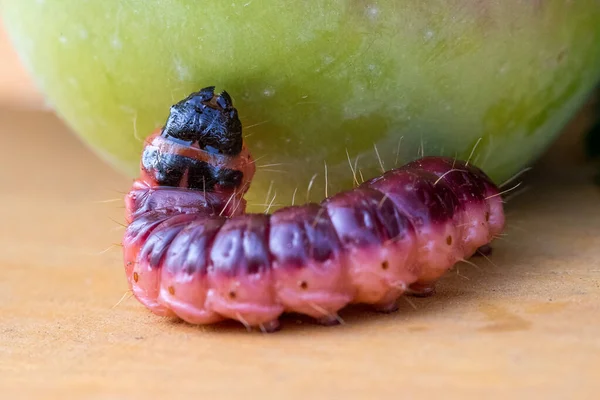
(329, 320)
(421, 289)
(271, 326)
(485, 250)
(386, 308)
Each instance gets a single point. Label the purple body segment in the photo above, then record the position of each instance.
(151, 246)
(180, 200)
(136, 235)
(240, 247)
(240, 274)
(308, 262)
(418, 195)
(189, 252)
(466, 182)
(139, 229)
(159, 241)
(300, 234)
(432, 208)
(481, 214)
(365, 217)
(184, 284)
(379, 243)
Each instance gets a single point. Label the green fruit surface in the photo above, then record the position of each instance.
(316, 81)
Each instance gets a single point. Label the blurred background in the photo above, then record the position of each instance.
(16, 88)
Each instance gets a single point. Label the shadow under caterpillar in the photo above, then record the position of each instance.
(191, 251)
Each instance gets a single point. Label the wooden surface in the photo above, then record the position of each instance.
(525, 324)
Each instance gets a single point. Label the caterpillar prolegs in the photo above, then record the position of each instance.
(191, 251)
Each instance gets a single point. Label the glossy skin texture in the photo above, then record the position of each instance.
(195, 254)
(320, 77)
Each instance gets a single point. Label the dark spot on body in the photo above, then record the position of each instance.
(303, 285)
(385, 265)
(136, 277)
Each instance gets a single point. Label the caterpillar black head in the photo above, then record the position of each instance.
(207, 119)
(201, 147)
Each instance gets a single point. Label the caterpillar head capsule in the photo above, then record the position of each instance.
(208, 120)
(200, 147)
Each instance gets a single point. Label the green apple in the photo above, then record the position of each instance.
(319, 82)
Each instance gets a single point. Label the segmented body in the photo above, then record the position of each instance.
(191, 251)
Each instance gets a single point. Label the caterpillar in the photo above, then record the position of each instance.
(192, 252)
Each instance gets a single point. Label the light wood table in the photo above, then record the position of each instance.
(525, 324)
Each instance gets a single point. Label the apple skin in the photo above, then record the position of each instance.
(316, 81)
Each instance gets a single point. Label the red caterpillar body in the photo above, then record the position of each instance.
(191, 251)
